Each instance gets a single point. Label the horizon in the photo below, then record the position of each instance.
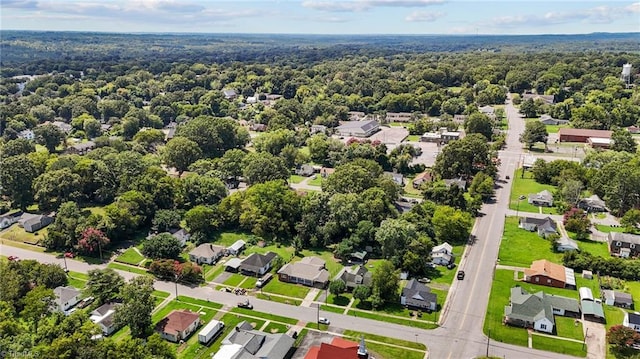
(324, 17)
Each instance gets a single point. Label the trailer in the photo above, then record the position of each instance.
(210, 331)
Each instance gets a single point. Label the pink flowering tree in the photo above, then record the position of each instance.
(92, 241)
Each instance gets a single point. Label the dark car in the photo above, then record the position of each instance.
(451, 265)
(245, 304)
(461, 275)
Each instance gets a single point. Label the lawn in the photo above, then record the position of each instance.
(608, 229)
(596, 248)
(569, 328)
(130, 256)
(397, 124)
(227, 238)
(285, 252)
(413, 138)
(127, 268)
(234, 280)
(520, 247)
(195, 301)
(399, 342)
(332, 309)
(341, 300)
(444, 275)
(249, 283)
(174, 305)
(524, 187)
(555, 128)
(265, 316)
(276, 328)
(384, 318)
(315, 181)
(634, 289)
(211, 272)
(275, 286)
(333, 265)
(279, 299)
(558, 346)
(18, 234)
(77, 280)
(296, 179)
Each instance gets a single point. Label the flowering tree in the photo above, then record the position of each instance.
(92, 240)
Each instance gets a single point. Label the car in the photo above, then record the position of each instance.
(451, 265)
(323, 320)
(85, 302)
(460, 275)
(12, 258)
(507, 177)
(245, 304)
(424, 280)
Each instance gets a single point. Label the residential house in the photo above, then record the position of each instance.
(548, 120)
(462, 184)
(27, 135)
(537, 310)
(565, 244)
(326, 172)
(592, 204)
(229, 94)
(233, 265)
(104, 316)
(258, 127)
(339, 348)
(448, 136)
(566, 134)
(318, 129)
(543, 198)
(631, 320)
(169, 131)
(432, 137)
(399, 117)
(416, 295)
(585, 293)
(624, 245)
(546, 99)
(442, 254)
(544, 226)
(81, 148)
(592, 311)
(257, 264)
(356, 115)
(618, 299)
(206, 253)
(358, 257)
(397, 178)
(543, 272)
(355, 276)
(422, 178)
(236, 248)
(488, 110)
(66, 297)
(178, 325)
(597, 142)
(63, 126)
(181, 235)
(309, 271)
(363, 128)
(8, 219)
(247, 343)
(305, 170)
(34, 222)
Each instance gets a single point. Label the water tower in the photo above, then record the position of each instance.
(626, 74)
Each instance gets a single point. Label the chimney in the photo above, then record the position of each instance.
(362, 350)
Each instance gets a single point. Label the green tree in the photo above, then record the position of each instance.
(166, 219)
(16, 175)
(337, 287)
(64, 231)
(452, 225)
(385, 281)
(37, 304)
(92, 128)
(53, 188)
(482, 185)
(479, 123)
(104, 284)
(463, 158)
(534, 131)
(394, 235)
(163, 245)
(631, 220)
(202, 190)
(49, 136)
(528, 108)
(201, 219)
(19, 146)
(180, 153)
(623, 141)
(230, 164)
(137, 305)
(362, 292)
(214, 136)
(349, 178)
(263, 167)
(150, 138)
(576, 220)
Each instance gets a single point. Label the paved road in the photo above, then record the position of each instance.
(460, 335)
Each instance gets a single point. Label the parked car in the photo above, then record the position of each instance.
(323, 320)
(85, 302)
(264, 280)
(507, 177)
(424, 280)
(451, 265)
(460, 275)
(245, 304)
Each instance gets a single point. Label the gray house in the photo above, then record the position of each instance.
(34, 222)
(66, 298)
(247, 343)
(618, 299)
(206, 253)
(592, 204)
(537, 310)
(309, 271)
(355, 276)
(6, 220)
(416, 295)
(104, 317)
(543, 198)
(624, 245)
(257, 264)
(236, 247)
(548, 120)
(544, 226)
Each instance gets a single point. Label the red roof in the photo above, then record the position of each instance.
(338, 349)
(584, 132)
(177, 321)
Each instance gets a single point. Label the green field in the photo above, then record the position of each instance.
(316, 181)
(403, 343)
(385, 318)
(77, 280)
(596, 248)
(234, 280)
(608, 229)
(275, 286)
(18, 234)
(558, 346)
(524, 187)
(279, 299)
(127, 268)
(266, 316)
(569, 328)
(520, 247)
(555, 128)
(130, 256)
(296, 179)
(413, 138)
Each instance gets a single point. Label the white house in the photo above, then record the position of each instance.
(206, 253)
(104, 317)
(66, 297)
(236, 247)
(442, 254)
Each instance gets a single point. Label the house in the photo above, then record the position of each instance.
(358, 257)
(618, 299)
(81, 148)
(326, 172)
(442, 254)
(104, 316)
(624, 245)
(181, 235)
(363, 128)
(63, 126)
(229, 94)
(232, 265)
(543, 272)
(178, 325)
(459, 119)
(27, 135)
(339, 348)
(356, 115)
(66, 297)
(305, 170)
(592, 311)
(448, 136)
(258, 127)
(544, 226)
(169, 131)
(318, 129)
(309, 271)
(421, 178)
(416, 295)
(548, 120)
(247, 343)
(565, 244)
(537, 310)
(488, 110)
(236, 248)
(8, 219)
(206, 253)
(397, 178)
(257, 264)
(462, 184)
(433, 137)
(543, 198)
(592, 204)
(34, 222)
(581, 135)
(546, 99)
(597, 142)
(355, 276)
(631, 320)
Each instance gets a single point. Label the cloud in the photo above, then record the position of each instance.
(634, 8)
(365, 5)
(20, 4)
(424, 16)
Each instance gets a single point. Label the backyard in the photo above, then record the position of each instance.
(520, 247)
(524, 187)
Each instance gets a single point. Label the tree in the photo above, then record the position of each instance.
(464, 157)
(19, 146)
(16, 175)
(137, 305)
(623, 141)
(166, 219)
(49, 136)
(384, 284)
(263, 167)
(150, 138)
(482, 185)
(337, 287)
(201, 219)
(92, 127)
(362, 292)
(64, 231)
(534, 131)
(479, 123)
(230, 164)
(37, 304)
(202, 190)
(349, 178)
(53, 188)
(631, 220)
(570, 190)
(622, 337)
(104, 284)
(394, 235)
(180, 153)
(528, 108)
(214, 136)
(452, 225)
(163, 245)
(576, 220)
(93, 240)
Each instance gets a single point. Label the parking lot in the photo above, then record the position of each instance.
(429, 153)
(390, 135)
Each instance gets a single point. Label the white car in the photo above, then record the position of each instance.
(323, 320)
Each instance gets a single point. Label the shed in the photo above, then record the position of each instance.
(592, 311)
(232, 265)
(585, 293)
(587, 274)
(236, 247)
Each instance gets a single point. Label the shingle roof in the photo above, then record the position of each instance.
(592, 308)
(64, 294)
(364, 126)
(546, 268)
(258, 260)
(624, 237)
(177, 321)
(207, 250)
(584, 132)
(309, 268)
(417, 294)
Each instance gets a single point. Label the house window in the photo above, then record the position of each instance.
(632, 246)
(618, 244)
(537, 279)
(543, 326)
(548, 280)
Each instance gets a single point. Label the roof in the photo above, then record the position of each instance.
(424, 176)
(543, 195)
(546, 224)
(207, 250)
(584, 132)
(64, 294)
(237, 245)
(548, 269)
(457, 182)
(258, 260)
(567, 243)
(621, 297)
(233, 263)
(359, 275)
(254, 344)
(624, 237)
(364, 126)
(533, 307)
(600, 141)
(104, 314)
(417, 294)
(634, 318)
(338, 349)
(177, 321)
(592, 308)
(585, 293)
(444, 246)
(30, 218)
(309, 268)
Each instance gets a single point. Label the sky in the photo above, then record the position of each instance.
(501, 17)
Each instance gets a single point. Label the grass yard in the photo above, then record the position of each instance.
(389, 348)
(279, 299)
(444, 275)
(555, 128)
(403, 343)
(171, 306)
(417, 323)
(633, 288)
(608, 229)
(296, 179)
(520, 247)
(408, 188)
(413, 138)
(18, 234)
(234, 280)
(558, 346)
(266, 316)
(127, 268)
(569, 328)
(275, 286)
(227, 238)
(283, 251)
(276, 328)
(524, 187)
(396, 124)
(333, 265)
(130, 256)
(315, 181)
(596, 248)
(211, 272)
(341, 300)
(249, 283)
(77, 280)
(332, 309)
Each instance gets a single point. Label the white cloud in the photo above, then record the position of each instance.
(424, 16)
(364, 5)
(634, 8)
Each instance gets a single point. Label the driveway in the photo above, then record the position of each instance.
(596, 336)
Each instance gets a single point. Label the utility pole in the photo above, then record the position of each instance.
(488, 338)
